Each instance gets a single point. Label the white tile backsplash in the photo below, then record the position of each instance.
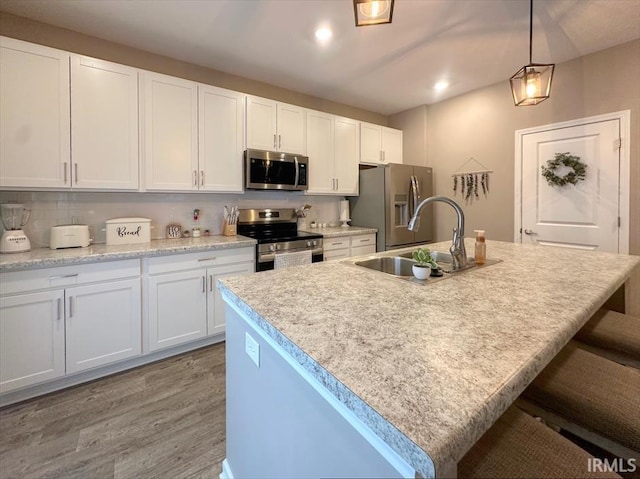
(94, 208)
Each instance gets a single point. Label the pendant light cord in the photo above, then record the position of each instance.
(530, 30)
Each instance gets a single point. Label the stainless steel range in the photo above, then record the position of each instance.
(276, 231)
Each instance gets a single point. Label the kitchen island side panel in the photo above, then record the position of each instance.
(282, 423)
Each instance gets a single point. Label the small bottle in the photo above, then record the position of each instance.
(481, 248)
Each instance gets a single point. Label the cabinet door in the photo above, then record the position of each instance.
(215, 309)
(291, 137)
(221, 128)
(34, 115)
(103, 324)
(177, 308)
(31, 339)
(261, 123)
(347, 153)
(391, 145)
(104, 127)
(320, 149)
(370, 141)
(171, 133)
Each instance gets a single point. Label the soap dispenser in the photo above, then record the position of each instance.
(481, 248)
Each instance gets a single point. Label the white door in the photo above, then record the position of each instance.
(221, 129)
(171, 133)
(291, 129)
(584, 215)
(215, 306)
(177, 308)
(391, 146)
(261, 123)
(103, 324)
(320, 149)
(370, 143)
(31, 338)
(104, 126)
(34, 115)
(347, 153)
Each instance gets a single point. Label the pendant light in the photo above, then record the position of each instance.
(372, 12)
(532, 83)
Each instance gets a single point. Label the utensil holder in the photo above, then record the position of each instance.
(229, 230)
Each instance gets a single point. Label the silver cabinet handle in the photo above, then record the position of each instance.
(65, 172)
(195, 178)
(275, 145)
(529, 232)
(59, 309)
(201, 177)
(212, 258)
(279, 141)
(210, 282)
(71, 306)
(75, 167)
(336, 183)
(204, 284)
(63, 276)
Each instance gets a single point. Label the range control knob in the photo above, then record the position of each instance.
(278, 246)
(272, 247)
(309, 243)
(314, 242)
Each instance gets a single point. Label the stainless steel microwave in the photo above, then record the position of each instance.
(268, 170)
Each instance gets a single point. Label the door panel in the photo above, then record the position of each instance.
(398, 180)
(584, 215)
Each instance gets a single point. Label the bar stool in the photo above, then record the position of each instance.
(519, 446)
(590, 396)
(613, 335)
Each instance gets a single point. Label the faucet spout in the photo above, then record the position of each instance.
(457, 249)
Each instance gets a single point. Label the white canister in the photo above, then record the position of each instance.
(128, 230)
(344, 210)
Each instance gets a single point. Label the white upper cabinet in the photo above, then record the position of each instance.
(333, 150)
(170, 133)
(275, 126)
(380, 145)
(221, 125)
(347, 152)
(320, 149)
(34, 116)
(104, 126)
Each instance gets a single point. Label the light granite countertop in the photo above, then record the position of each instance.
(45, 257)
(338, 231)
(429, 368)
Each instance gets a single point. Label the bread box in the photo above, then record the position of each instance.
(128, 230)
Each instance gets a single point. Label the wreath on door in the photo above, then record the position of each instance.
(578, 170)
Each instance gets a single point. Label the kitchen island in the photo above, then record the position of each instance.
(347, 368)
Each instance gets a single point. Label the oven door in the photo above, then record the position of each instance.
(266, 170)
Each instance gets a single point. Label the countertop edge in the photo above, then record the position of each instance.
(339, 231)
(102, 252)
(399, 442)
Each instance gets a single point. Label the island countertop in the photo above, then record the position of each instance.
(429, 368)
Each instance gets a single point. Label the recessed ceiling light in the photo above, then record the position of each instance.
(323, 34)
(441, 85)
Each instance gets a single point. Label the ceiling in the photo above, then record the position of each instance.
(383, 68)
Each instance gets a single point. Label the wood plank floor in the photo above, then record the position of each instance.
(165, 419)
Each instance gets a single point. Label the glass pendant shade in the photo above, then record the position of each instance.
(372, 12)
(532, 84)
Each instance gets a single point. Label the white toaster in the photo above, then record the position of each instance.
(69, 236)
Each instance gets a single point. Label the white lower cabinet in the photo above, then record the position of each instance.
(69, 319)
(342, 247)
(183, 301)
(31, 339)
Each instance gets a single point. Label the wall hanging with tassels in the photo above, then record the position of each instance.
(469, 178)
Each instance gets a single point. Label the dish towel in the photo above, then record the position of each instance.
(285, 260)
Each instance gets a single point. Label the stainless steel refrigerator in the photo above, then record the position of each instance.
(388, 197)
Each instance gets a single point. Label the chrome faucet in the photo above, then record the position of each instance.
(457, 249)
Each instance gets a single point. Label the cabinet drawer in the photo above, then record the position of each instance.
(363, 250)
(186, 261)
(45, 278)
(335, 243)
(363, 240)
(336, 254)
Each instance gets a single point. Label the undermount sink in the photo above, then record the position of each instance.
(400, 266)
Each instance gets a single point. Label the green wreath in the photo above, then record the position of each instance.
(565, 159)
